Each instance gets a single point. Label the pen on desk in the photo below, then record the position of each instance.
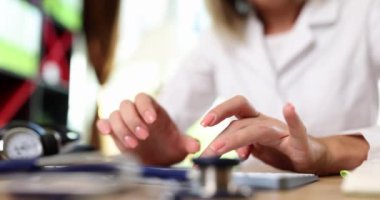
(178, 174)
(31, 165)
(93, 163)
(344, 173)
(26, 165)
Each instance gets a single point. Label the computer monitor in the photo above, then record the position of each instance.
(21, 31)
(20, 37)
(68, 13)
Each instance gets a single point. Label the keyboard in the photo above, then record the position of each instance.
(272, 180)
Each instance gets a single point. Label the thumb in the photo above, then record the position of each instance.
(244, 152)
(190, 144)
(295, 125)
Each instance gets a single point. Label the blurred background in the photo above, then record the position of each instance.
(69, 62)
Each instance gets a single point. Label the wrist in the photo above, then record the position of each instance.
(321, 157)
(341, 152)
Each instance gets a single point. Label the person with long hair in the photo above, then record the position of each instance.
(266, 58)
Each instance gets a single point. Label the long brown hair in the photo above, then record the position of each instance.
(227, 18)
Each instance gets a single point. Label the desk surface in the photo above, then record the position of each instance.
(325, 188)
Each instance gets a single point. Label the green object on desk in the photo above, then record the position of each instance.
(344, 173)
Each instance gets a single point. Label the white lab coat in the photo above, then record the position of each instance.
(329, 73)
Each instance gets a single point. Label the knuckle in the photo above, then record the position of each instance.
(132, 121)
(141, 96)
(113, 115)
(241, 99)
(214, 111)
(130, 117)
(116, 124)
(235, 124)
(125, 104)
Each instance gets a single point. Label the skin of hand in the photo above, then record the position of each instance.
(283, 145)
(145, 129)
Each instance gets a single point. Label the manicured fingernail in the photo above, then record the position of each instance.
(217, 147)
(130, 142)
(208, 120)
(149, 117)
(141, 133)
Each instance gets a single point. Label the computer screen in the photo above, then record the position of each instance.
(20, 37)
(21, 31)
(66, 12)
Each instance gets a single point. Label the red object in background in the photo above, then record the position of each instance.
(56, 50)
(13, 98)
(29, 99)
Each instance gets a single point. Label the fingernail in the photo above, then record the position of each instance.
(208, 120)
(217, 147)
(149, 117)
(141, 133)
(130, 142)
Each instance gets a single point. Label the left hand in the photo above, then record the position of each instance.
(282, 145)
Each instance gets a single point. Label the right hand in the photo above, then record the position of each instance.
(145, 129)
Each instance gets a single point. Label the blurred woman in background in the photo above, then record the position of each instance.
(322, 56)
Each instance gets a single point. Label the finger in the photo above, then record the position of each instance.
(121, 131)
(296, 127)
(216, 146)
(133, 120)
(224, 144)
(103, 126)
(244, 152)
(191, 145)
(146, 107)
(237, 106)
(242, 133)
(119, 144)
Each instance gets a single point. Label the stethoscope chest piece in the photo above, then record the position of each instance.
(215, 180)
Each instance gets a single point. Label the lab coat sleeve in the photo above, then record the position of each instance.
(374, 34)
(190, 91)
(372, 136)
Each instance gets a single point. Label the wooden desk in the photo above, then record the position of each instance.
(325, 189)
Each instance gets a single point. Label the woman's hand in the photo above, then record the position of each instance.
(144, 128)
(282, 145)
